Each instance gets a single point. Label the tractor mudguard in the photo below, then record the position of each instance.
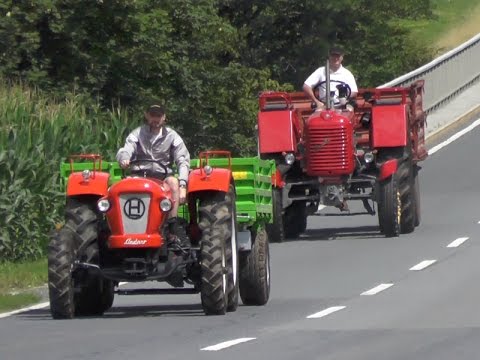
(389, 125)
(219, 180)
(97, 184)
(387, 169)
(276, 131)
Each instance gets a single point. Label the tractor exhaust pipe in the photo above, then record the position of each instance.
(328, 104)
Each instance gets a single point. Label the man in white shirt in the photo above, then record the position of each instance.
(337, 73)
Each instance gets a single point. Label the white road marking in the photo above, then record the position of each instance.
(34, 307)
(457, 242)
(227, 344)
(454, 137)
(321, 207)
(422, 265)
(377, 289)
(326, 312)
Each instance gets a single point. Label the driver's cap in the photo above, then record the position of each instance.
(156, 110)
(336, 50)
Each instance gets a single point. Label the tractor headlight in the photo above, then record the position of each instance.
(369, 157)
(208, 169)
(103, 205)
(86, 175)
(165, 205)
(290, 158)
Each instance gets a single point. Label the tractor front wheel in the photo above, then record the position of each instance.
(276, 230)
(216, 213)
(389, 206)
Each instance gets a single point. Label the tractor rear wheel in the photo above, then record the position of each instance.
(276, 230)
(61, 288)
(77, 240)
(232, 255)
(255, 271)
(389, 206)
(215, 223)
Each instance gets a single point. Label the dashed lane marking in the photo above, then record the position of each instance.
(377, 289)
(326, 312)
(422, 265)
(457, 242)
(226, 344)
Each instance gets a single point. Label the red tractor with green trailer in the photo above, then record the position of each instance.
(115, 231)
(366, 149)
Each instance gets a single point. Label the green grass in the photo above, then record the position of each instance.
(17, 301)
(15, 281)
(15, 276)
(454, 22)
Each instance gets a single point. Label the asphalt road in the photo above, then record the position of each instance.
(316, 309)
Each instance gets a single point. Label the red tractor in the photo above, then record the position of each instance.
(366, 149)
(115, 230)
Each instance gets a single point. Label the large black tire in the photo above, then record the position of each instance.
(416, 196)
(295, 220)
(276, 230)
(60, 281)
(232, 256)
(389, 206)
(215, 223)
(405, 176)
(77, 240)
(255, 271)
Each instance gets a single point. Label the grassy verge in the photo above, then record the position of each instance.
(454, 22)
(17, 281)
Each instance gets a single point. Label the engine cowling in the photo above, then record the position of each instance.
(329, 148)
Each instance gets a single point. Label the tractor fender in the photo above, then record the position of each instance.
(97, 184)
(219, 180)
(387, 169)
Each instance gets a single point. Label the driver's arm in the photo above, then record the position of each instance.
(181, 157)
(125, 153)
(309, 91)
(315, 78)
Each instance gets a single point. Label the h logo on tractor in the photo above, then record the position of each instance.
(134, 208)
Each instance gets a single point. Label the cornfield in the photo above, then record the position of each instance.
(36, 133)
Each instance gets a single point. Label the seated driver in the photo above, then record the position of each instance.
(156, 142)
(337, 73)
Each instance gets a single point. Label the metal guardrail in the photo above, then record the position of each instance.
(446, 76)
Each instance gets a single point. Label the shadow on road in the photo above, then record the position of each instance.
(340, 233)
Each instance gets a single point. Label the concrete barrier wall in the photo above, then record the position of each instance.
(446, 76)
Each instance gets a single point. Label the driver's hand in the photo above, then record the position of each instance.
(320, 106)
(343, 101)
(124, 164)
(182, 195)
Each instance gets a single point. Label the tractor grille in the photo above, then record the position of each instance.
(134, 209)
(329, 151)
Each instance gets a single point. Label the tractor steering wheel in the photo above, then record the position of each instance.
(344, 90)
(146, 173)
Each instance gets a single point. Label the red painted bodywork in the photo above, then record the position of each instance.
(389, 126)
(97, 184)
(277, 179)
(158, 190)
(329, 149)
(218, 180)
(278, 123)
(387, 169)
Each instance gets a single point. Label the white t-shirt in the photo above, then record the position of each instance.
(342, 74)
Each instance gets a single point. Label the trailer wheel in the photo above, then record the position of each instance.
(416, 196)
(405, 176)
(215, 222)
(276, 230)
(255, 271)
(389, 206)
